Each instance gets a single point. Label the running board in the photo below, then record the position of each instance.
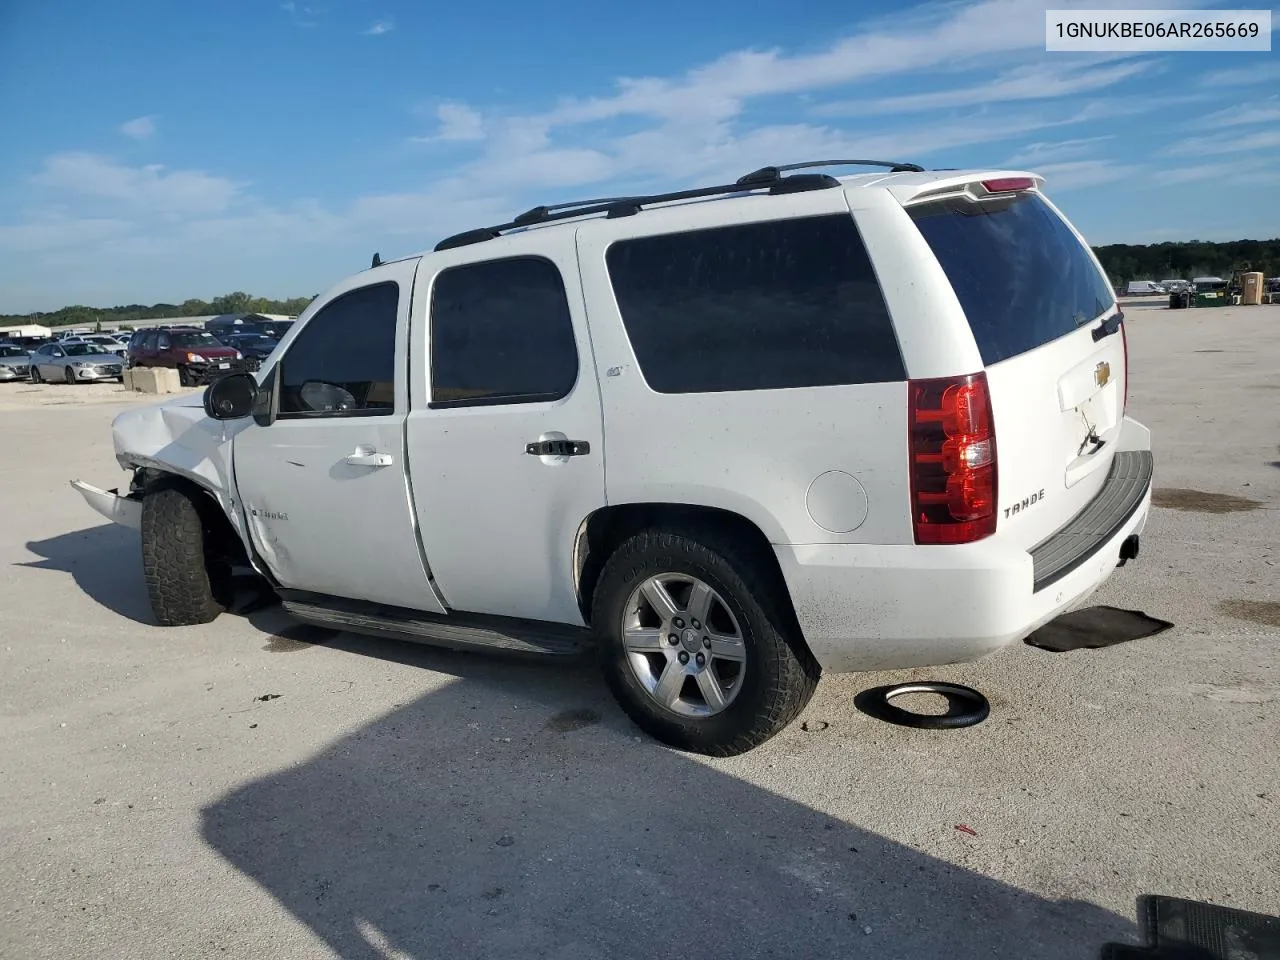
(459, 631)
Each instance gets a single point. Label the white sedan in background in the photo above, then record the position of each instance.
(75, 363)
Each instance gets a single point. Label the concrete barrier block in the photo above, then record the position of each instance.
(152, 380)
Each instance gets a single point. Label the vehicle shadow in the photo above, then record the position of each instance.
(516, 813)
(105, 562)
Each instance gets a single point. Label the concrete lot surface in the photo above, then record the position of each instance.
(247, 789)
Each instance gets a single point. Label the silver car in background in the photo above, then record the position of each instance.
(75, 363)
(15, 363)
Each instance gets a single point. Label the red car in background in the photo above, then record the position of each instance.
(197, 355)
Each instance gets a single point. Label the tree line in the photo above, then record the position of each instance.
(1122, 261)
(238, 302)
(1185, 260)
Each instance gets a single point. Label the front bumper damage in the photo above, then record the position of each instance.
(126, 510)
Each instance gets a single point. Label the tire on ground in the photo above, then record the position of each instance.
(173, 559)
(780, 674)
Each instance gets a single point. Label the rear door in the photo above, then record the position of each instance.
(1036, 298)
(505, 439)
(324, 488)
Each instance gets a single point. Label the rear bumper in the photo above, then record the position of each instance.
(873, 607)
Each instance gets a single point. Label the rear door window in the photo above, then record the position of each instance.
(501, 333)
(1021, 275)
(756, 306)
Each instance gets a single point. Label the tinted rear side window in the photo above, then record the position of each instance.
(760, 306)
(1019, 272)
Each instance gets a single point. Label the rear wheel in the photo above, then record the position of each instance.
(697, 644)
(174, 559)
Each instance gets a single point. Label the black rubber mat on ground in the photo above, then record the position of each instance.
(1095, 627)
(1178, 929)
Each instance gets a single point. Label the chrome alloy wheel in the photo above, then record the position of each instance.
(684, 645)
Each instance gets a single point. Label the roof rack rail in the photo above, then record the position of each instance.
(765, 174)
(770, 178)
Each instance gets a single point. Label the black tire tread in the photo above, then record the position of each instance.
(173, 559)
(780, 654)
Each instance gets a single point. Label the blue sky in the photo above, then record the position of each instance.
(155, 150)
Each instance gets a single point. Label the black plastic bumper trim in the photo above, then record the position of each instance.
(1093, 527)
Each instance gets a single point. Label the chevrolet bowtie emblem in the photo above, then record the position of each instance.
(1102, 374)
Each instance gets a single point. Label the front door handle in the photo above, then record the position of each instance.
(363, 459)
(558, 448)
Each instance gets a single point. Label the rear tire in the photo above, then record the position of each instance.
(778, 673)
(174, 562)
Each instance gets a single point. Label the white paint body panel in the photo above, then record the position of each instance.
(498, 524)
(755, 453)
(477, 524)
(322, 524)
(871, 607)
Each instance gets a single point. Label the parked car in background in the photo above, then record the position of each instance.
(75, 363)
(196, 354)
(15, 362)
(106, 341)
(254, 346)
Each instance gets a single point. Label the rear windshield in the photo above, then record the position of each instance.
(1019, 272)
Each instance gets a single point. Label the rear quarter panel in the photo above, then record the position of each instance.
(775, 457)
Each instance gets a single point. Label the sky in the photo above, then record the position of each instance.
(156, 151)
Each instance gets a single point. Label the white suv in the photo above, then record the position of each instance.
(729, 437)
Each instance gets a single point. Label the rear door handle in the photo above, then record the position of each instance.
(370, 459)
(558, 448)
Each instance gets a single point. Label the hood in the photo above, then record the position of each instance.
(220, 351)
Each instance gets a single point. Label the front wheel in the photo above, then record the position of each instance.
(697, 644)
(185, 377)
(174, 562)
(68, 374)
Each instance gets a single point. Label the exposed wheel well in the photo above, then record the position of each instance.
(605, 529)
(222, 541)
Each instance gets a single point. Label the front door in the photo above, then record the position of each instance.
(323, 488)
(505, 437)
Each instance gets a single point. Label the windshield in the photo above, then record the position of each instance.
(194, 340)
(8, 351)
(84, 350)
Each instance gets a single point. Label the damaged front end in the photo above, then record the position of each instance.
(172, 439)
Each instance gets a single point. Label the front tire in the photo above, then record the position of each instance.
(174, 562)
(738, 672)
(185, 377)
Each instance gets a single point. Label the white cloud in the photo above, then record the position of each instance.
(1236, 171)
(1212, 144)
(1048, 151)
(1036, 82)
(457, 122)
(1242, 76)
(1261, 114)
(1077, 174)
(149, 189)
(379, 27)
(139, 128)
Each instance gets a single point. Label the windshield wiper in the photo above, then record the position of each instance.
(1109, 326)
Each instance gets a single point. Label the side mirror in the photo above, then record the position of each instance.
(231, 397)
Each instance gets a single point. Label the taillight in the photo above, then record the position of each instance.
(952, 443)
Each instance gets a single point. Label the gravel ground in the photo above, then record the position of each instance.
(250, 789)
